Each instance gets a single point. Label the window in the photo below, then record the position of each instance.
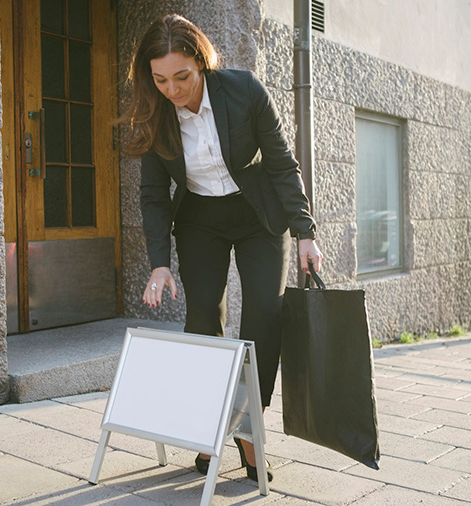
(378, 194)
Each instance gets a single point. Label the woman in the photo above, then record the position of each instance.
(218, 136)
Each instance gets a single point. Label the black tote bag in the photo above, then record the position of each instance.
(327, 371)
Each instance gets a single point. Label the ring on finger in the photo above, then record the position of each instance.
(153, 286)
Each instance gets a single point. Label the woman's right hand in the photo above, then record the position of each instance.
(161, 276)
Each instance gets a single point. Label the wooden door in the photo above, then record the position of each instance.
(62, 204)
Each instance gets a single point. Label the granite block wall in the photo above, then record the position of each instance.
(4, 380)
(235, 28)
(433, 291)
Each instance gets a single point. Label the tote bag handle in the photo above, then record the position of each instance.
(320, 284)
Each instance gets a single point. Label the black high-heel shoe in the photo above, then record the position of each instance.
(251, 470)
(202, 464)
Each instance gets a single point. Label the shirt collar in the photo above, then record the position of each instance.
(184, 113)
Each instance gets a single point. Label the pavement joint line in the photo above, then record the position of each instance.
(441, 408)
(460, 480)
(440, 456)
(61, 471)
(310, 464)
(456, 446)
(366, 494)
(32, 422)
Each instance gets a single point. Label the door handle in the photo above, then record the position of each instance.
(41, 115)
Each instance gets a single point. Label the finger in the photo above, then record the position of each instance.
(157, 294)
(316, 262)
(173, 287)
(304, 263)
(152, 294)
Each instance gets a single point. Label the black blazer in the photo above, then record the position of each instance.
(256, 154)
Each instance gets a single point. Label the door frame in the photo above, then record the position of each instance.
(13, 14)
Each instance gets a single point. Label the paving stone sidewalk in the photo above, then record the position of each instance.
(424, 402)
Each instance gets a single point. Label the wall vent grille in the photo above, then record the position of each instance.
(318, 16)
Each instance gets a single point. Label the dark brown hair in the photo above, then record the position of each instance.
(152, 117)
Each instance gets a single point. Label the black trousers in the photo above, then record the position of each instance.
(206, 230)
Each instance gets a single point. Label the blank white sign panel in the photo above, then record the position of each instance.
(172, 388)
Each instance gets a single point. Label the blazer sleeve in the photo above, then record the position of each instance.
(156, 209)
(279, 163)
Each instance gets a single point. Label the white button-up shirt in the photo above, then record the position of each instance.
(206, 171)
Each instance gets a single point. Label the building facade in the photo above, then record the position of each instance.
(392, 170)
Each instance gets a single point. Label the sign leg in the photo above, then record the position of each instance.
(99, 456)
(161, 454)
(256, 421)
(210, 484)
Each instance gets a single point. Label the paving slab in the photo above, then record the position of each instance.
(433, 391)
(439, 380)
(304, 452)
(396, 496)
(404, 473)
(394, 383)
(84, 495)
(456, 437)
(458, 459)
(186, 490)
(466, 399)
(461, 490)
(118, 465)
(459, 420)
(410, 448)
(424, 441)
(395, 395)
(46, 447)
(408, 364)
(95, 401)
(404, 409)
(322, 485)
(407, 426)
(441, 403)
(292, 501)
(387, 371)
(62, 417)
(21, 479)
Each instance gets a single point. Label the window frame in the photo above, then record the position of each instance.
(400, 124)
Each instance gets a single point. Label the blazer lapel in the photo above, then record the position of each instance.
(217, 98)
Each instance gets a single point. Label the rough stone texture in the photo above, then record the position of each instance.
(4, 380)
(335, 203)
(433, 291)
(240, 34)
(334, 131)
(136, 275)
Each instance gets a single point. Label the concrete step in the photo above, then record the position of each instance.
(69, 360)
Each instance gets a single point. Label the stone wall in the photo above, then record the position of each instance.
(4, 380)
(240, 34)
(434, 290)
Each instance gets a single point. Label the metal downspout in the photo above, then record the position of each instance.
(302, 70)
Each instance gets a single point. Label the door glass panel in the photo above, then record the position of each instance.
(52, 16)
(83, 183)
(79, 72)
(79, 19)
(55, 197)
(56, 147)
(80, 134)
(52, 54)
(69, 192)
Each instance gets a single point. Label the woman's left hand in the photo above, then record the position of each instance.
(309, 253)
